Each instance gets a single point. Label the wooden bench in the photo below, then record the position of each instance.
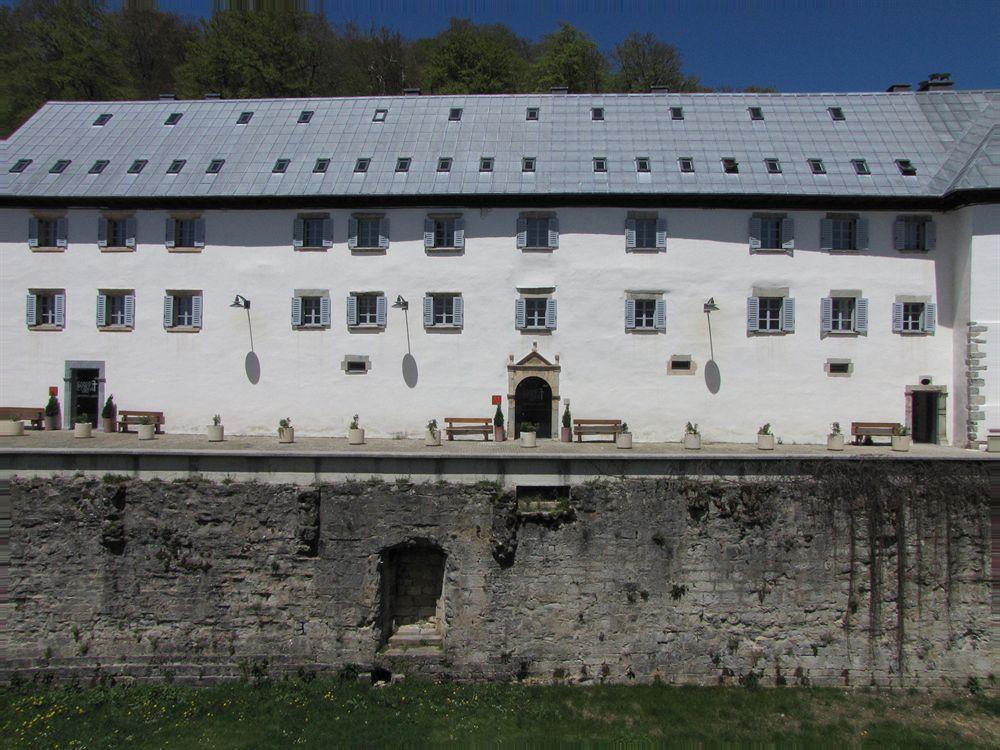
(583, 427)
(126, 418)
(468, 426)
(24, 414)
(860, 430)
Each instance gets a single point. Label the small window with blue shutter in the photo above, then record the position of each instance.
(772, 232)
(914, 234)
(444, 232)
(645, 231)
(770, 314)
(182, 310)
(116, 309)
(843, 233)
(368, 232)
(311, 309)
(843, 313)
(46, 309)
(312, 232)
(367, 310)
(116, 233)
(443, 310)
(645, 312)
(535, 313)
(185, 233)
(537, 231)
(914, 317)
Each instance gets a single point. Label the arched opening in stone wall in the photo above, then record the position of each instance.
(412, 597)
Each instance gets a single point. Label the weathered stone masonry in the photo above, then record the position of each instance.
(849, 579)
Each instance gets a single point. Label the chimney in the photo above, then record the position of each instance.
(167, 97)
(559, 90)
(897, 87)
(936, 82)
(213, 95)
(411, 92)
(658, 89)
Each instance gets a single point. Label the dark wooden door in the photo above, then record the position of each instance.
(925, 408)
(533, 403)
(85, 386)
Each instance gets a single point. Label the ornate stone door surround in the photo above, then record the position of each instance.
(533, 365)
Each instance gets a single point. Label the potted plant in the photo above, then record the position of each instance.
(286, 433)
(900, 438)
(52, 414)
(216, 430)
(765, 440)
(82, 428)
(835, 440)
(692, 438)
(146, 428)
(624, 437)
(566, 434)
(529, 434)
(355, 434)
(108, 414)
(433, 436)
(499, 433)
(12, 427)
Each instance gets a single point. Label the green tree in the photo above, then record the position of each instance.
(153, 44)
(644, 61)
(374, 63)
(467, 58)
(570, 58)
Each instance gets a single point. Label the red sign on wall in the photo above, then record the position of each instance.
(53, 390)
(497, 400)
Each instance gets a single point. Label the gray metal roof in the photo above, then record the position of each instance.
(951, 137)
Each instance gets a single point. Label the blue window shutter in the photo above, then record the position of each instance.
(554, 233)
(381, 308)
(352, 310)
(826, 315)
(130, 231)
(897, 317)
(899, 234)
(102, 232)
(62, 231)
(861, 234)
(352, 233)
(522, 232)
(102, 310)
(170, 229)
(199, 232)
(32, 232)
(168, 311)
(661, 234)
(930, 235)
(826, 234)
(753, 314)
(428, 233)
(550, 314)
(298, 232)
(458, 310)
(324, 311)
(788, 234)
(629, 314)
(861, 315)
(629, 234)
(327, 231)
(383, 233)
(930, 317)
(31, 310)
(520, 314)
(460, 234)
(755, 232)
(296, 312)
(660, 315)
(196, 307)
(60, 300)
(130, 310)
(788, 315)
(428, 310)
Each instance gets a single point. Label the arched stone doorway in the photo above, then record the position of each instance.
(533, 403)
(536, 368)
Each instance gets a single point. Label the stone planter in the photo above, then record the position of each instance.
(356, 436)
(146, 431)
(765, 442)
(11, 428)
(623, 439)
(286, 434)
(431, 439)
(692, 441)
(566, 435)
(993, 443)
(52, 423)
(835, 442)
(529, 439)
(499, 434)
(83, 430)
(108, 425)
(216, 433)
(901, 442)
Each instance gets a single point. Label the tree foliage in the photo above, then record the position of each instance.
(644, 61)
(470, 59)
(570, 58)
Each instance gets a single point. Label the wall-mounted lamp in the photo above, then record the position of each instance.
(710, 306)
(241, 301)
(401, 303)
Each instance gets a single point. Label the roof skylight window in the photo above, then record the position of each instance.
(455, 114)
(176, 166)
(280, 166)
(817, 166)
(137, 166)
(361, 165)
(59, 167)
(380, 115)
(597, 113)
(20, 165)
(906, 167)
(305, 116)
(600, 164)
(244, 118)
(215, 166)
(173, 118)
(98, 166)
(403, 164)
(773, 166)
(677, 113)
(860, 166)
(642, 164)
(102, 120)
(531, 113)
(486, 164)
(756, 113)
(730, 166)
(444, 164)
(836, 113)
(321, 165)
(528, 164)
(686, 163)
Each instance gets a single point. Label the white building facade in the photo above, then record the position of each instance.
(550, 274)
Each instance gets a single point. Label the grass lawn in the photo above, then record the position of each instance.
(325, 713)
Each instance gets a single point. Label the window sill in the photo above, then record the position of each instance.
(311, 327)
(536, 331)
(443, 328)
(645, 249)
(183, 329)
(310, 249)
(445, 250)
(369, 250)
(539, 249)
(117, 249)
(644, 331)
(45, 327)
(48, 249)
(843, 333)
(914, 333)
(771, 251)
(770, 333)
(366, 328)
(913, 252)
(184, 249)
(841, 251)
(116, 329)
